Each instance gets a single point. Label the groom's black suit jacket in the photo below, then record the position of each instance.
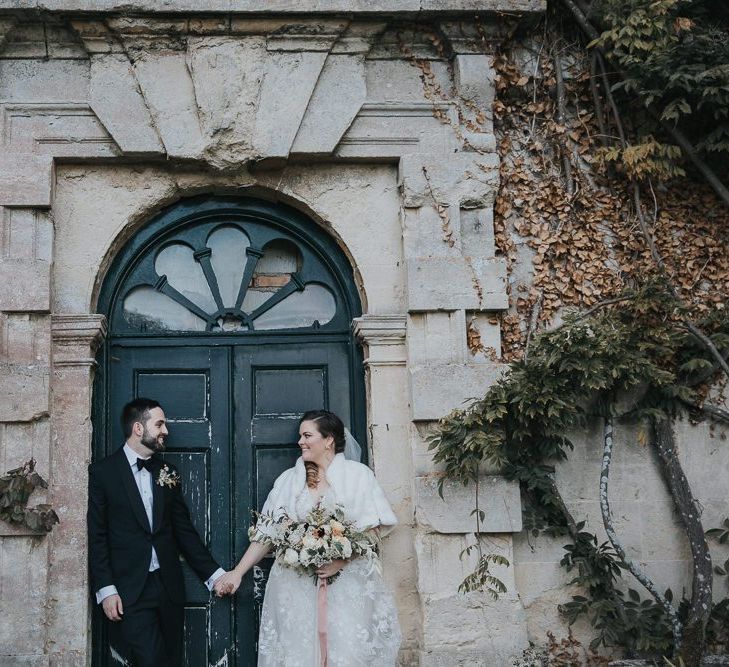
(121, 540)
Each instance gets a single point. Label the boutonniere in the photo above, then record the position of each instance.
(168, 477)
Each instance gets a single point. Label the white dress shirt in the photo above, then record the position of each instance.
(143, 480)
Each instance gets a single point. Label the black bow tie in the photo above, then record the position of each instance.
(145, 463)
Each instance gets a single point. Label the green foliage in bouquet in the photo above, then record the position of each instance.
(324, 536)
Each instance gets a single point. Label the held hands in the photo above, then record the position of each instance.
(227, 584)
(330, 569)
(113, 609)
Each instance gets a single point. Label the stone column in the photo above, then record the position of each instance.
(75, 339)
(388, 420)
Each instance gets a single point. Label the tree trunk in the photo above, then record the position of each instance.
(694, 630)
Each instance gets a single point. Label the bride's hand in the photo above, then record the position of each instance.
(330, 569)
(227, 584)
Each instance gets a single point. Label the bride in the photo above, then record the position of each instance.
(362, 626)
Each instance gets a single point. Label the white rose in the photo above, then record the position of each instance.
(296, 535)
(346, 546)
(309, 542)
(291, 557)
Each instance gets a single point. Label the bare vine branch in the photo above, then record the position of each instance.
(561, 115)
(634, 569)
(715, 412)
(694, 635)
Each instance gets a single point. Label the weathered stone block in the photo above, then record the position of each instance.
(468, 179)
(426, 234)
(167, 87)
(475, 625)
(25, 391)
(663, 536)
(498, 498)
(436, 389)
(227, 73)
(454, 658)
(22, 441)
(488, 330)
(16, 276)
(337, 97)
(23, 581)
(475, 83)
(26, 239)
(25, 179)
(477, 232)
(117, 101)
(7, 25)
(454, 283)
(437, 337)
(65, 657)
(278, 117)
(442, 565)
(27, 234)
(535, 579)
(24, 338)
(391, 462)
(42, 80)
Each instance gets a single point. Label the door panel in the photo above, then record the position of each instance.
(273, 385)
(193, 386)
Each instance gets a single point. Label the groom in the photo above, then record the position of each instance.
(137, 521)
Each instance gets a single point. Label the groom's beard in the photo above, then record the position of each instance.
(152, 443)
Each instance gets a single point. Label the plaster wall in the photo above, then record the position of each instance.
(644, 518)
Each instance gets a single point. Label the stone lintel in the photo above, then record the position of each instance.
(291, 7)
(302, 42)
(384, 338)
(76, 338)
(498, 498)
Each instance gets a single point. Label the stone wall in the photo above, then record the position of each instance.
(108, 117)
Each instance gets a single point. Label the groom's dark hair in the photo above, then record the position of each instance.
(136, 411)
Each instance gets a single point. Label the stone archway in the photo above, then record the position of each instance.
(248, 327)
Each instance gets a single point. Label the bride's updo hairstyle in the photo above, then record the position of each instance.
(328, 424)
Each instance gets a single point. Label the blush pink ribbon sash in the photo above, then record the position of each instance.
(321, 619)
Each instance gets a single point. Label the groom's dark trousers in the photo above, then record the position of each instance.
(120, 550)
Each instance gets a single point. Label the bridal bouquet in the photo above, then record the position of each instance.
(323, 536)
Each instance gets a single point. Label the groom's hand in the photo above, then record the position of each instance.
(113, 608)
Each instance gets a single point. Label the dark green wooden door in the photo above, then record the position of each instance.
(193, 386)
(233, 414)
(235, 314)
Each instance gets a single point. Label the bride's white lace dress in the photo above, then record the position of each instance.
(362, 620)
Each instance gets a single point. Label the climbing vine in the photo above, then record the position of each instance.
(617, 209)
(16, 487)
(573, 374)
